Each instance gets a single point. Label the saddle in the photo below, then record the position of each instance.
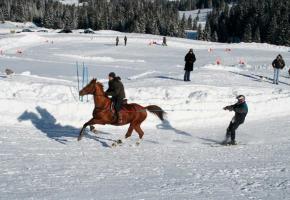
(112, 107)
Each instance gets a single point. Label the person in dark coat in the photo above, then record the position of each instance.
(125, 40)
(189, 62)
(277, 64)
(117, 40)
(117, 92)
(241, 111)
(164, 42)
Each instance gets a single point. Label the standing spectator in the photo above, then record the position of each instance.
(277, 64)
(164, 42)
(125, 40)
(117, 40)
(189, 61)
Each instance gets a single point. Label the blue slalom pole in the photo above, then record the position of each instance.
(78, 79)
(87, 70)
(83, 80)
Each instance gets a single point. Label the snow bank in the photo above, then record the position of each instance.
(100, 58)
(191, 105)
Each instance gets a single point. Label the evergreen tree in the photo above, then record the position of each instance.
(248, 33)
(207, 32)
(214, 37)
(189, 22)
(194, 26)
(200, 33)
(257, 35)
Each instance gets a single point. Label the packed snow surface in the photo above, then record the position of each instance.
(180, 158)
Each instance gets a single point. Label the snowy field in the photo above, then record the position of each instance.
(178, 158)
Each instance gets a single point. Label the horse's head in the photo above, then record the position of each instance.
(89, 88)
(93, 87)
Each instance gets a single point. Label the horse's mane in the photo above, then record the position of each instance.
(101, 85)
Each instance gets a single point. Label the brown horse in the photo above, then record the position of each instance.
(103, 113)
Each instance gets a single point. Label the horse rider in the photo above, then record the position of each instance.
(117, 92)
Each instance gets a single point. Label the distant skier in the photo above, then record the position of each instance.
(116, 90)
(277, 64)
(189, 61)
(241, 111)
(125, 40)
(117, 40)
(164, 43)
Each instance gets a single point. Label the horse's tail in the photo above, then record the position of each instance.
(156, 110)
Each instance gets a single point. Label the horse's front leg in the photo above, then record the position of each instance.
(89, 123)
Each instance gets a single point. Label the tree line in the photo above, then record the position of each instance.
(185, 5)
(266, 21)
(142, 16)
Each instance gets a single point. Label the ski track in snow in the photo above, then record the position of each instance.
(179, 158)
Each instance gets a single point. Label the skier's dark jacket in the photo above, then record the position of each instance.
(241, 111)
(116, 89)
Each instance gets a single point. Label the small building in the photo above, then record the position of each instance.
(191, 34)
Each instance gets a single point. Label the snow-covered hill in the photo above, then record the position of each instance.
(70, 2)
(201, 14)
(178, 158)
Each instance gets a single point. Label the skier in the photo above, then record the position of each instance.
(241, 111)
(125, 40)
(117, 40)
(277, 64)
(164, 43)
(116, 90)
(189, 61)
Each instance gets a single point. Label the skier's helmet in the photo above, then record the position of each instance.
(241, 98)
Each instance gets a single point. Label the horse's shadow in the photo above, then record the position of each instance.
(165, 125)
(46, 123)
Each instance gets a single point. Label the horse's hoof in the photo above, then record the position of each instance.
(95, 131)
(114, 145)
(119, 141)
(79, 138)
(137, 143)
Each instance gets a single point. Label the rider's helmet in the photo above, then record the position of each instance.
(112, 74)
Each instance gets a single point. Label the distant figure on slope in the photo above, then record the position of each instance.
(164, 43)
(277, 64)
(241, 111)
(117, 92)
(125, 40)
(117, 40)
(189, 61)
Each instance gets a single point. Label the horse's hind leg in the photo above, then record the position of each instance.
(140, 133)
(128, 134)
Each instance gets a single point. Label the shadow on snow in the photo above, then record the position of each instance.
(165, 125)
(46, 123)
